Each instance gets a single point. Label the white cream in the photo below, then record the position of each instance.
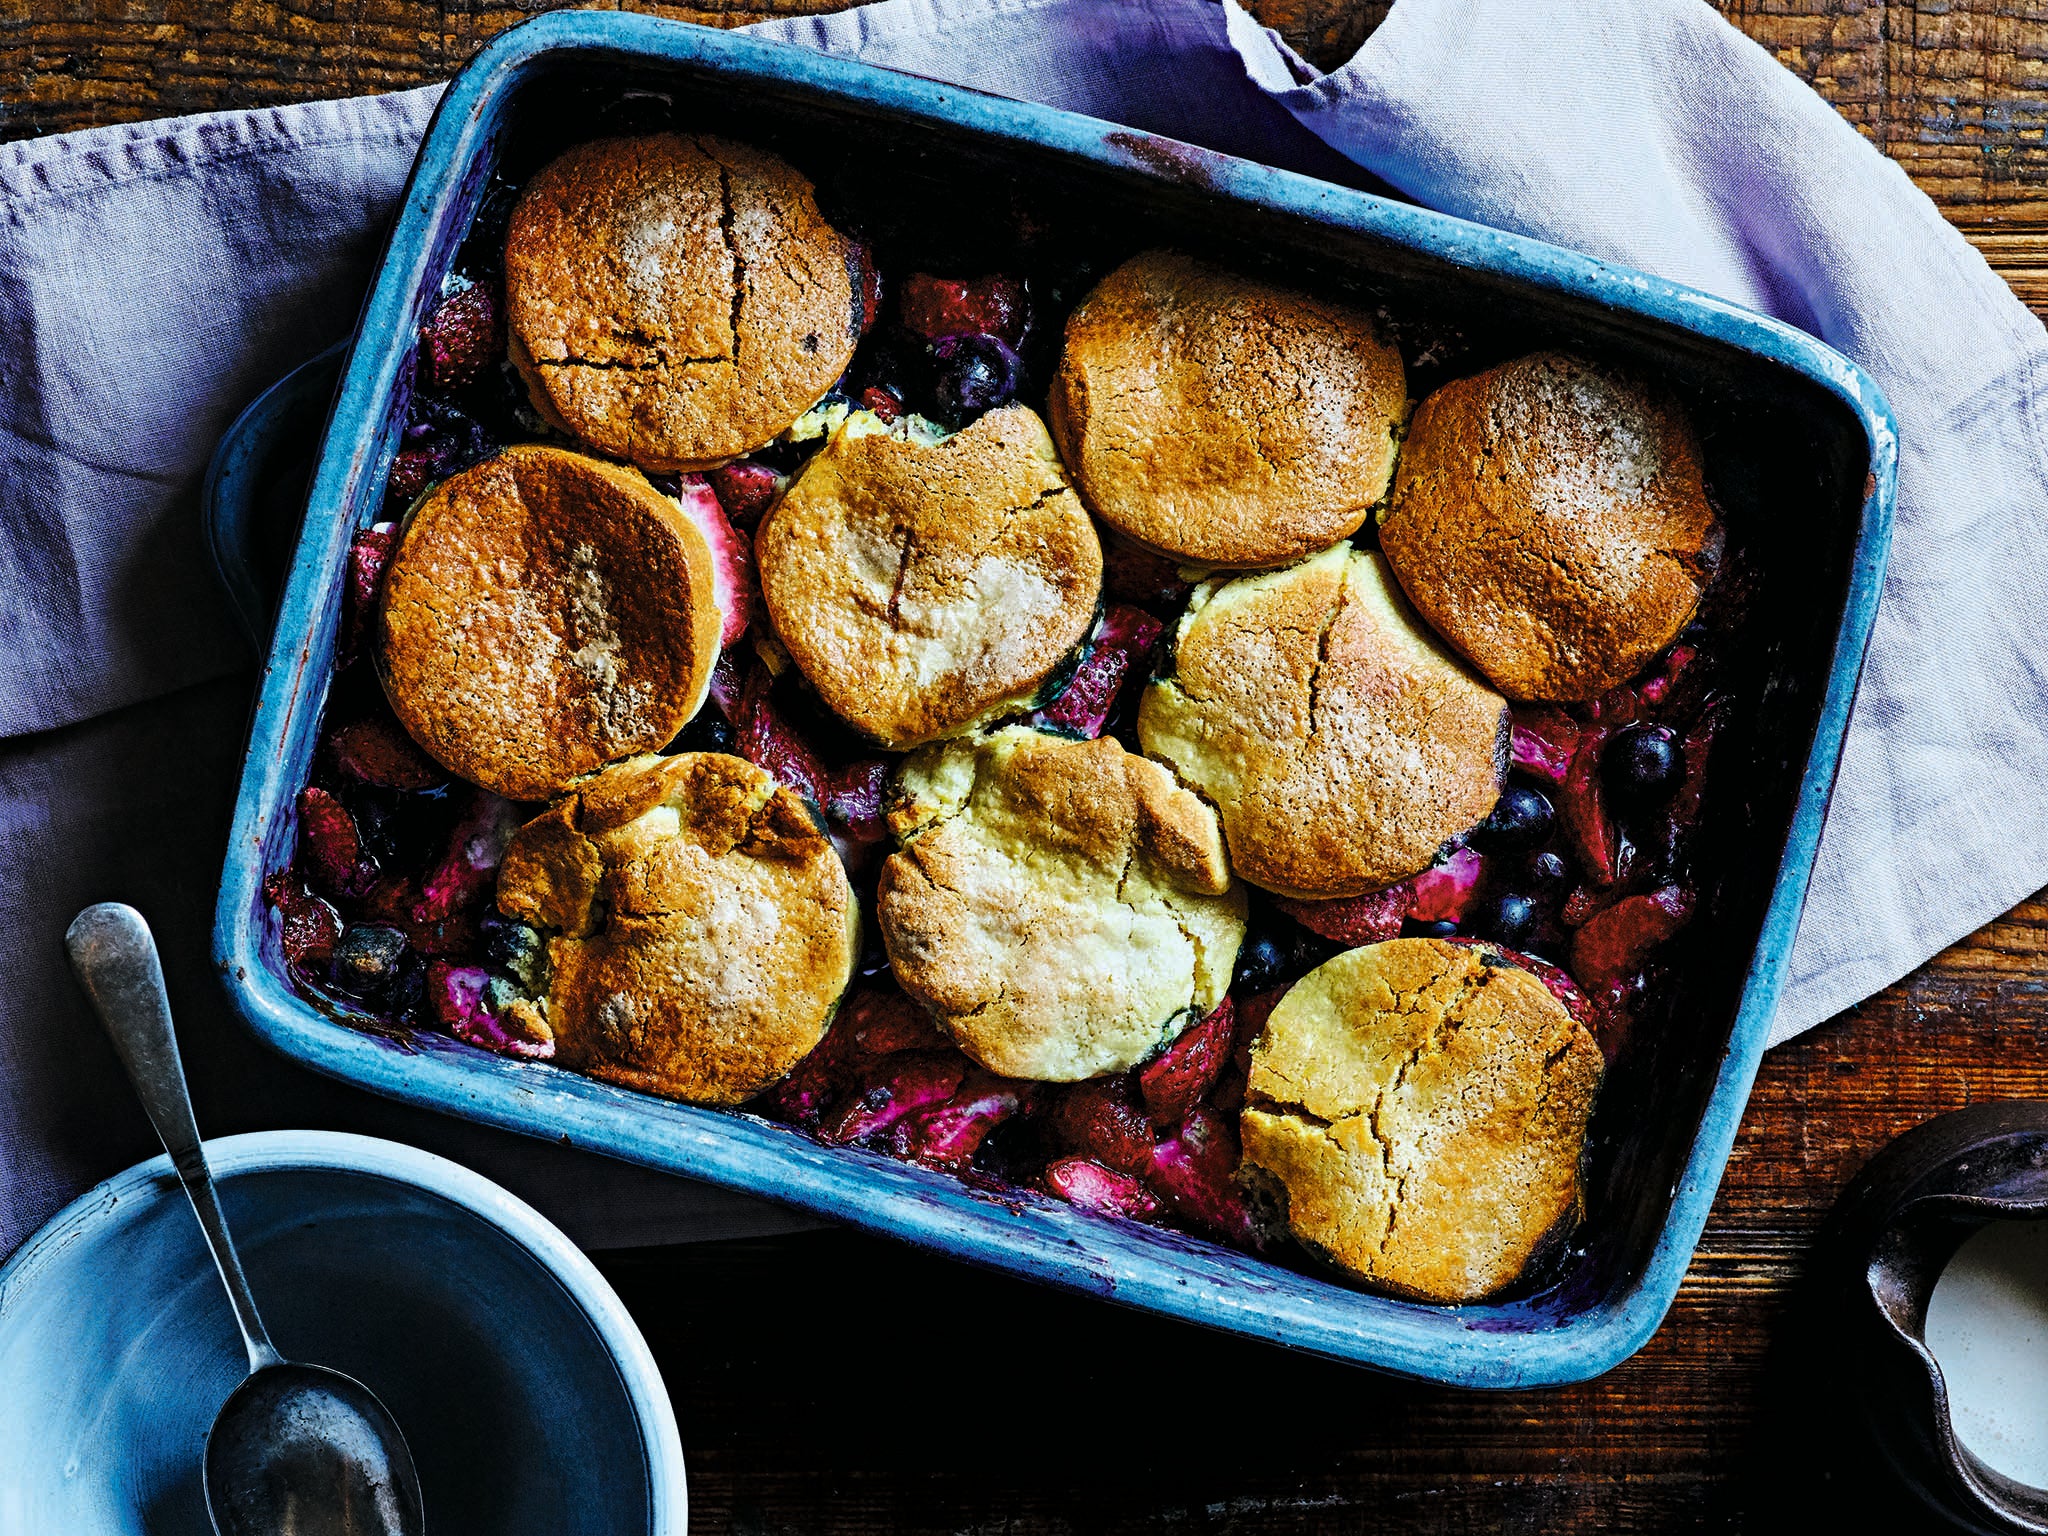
(1987, 1324)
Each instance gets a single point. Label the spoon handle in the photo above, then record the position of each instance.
(116, 961)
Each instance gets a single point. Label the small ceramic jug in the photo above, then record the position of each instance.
(1894, 1231)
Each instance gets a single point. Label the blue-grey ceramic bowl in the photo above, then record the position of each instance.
(530, 1401)
(1800, 449)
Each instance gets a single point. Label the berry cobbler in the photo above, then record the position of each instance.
(1097, 723)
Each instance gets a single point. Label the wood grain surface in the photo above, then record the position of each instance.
(830, 1383)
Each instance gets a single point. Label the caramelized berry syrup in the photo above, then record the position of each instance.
(1587, 869)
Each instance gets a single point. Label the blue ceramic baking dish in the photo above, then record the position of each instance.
(1800, 450)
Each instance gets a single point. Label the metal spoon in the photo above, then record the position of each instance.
(295, 1448)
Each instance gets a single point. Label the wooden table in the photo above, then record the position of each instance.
(828, 1382)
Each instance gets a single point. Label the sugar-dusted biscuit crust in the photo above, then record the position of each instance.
(545, 613)
(924, 588)
(1549, 519)
(700, 926)
(1222, 420)
(1425, 1109)
(677, 301)
(1342, 745)
(1061, 906)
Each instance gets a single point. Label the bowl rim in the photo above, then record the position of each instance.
(117, 1198)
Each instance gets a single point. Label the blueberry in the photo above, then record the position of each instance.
(1521, 818)
(1642, 762)
(709, 732)
(1259, 962)
(976, 373)
(369, 962)
(1418, 928)
(1508, 918)
(1548, 868)
(512, 947)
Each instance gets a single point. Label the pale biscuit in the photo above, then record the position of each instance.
(1341, 744)
(545, 613)
(1425, 1109)
(1549, 519)
(925, 588)
(1060, 906)
(677, 300)
(700, 929)
(1222, 420)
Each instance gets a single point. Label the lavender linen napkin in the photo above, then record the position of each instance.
(152, 278)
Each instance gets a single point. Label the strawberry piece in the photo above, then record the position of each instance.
(463, 336)
(948, 1135)
(1354, 920)
(883, 402)
(412, 471)
(1175, 1081)
(878, 1023)
(1583, 902)
(1102, 1119)
(935, 307)
(853, 799)
(900, 1085)
(1612, 1012)
(376, 750)
(458, 997)
(766, 741)
(1583, 811)
(368, 553)
(1125, 636)
(1612, 946)
(1656, 688)
(1102, 1190)
(309, 926)
(469, 864)
(869, 286)
(727, 686)
(1252, 1013)
(1140, 577)
(1196, 1170)
(1616, 707)
(746, 490)
(732, 557)
(1543, 743)
(1444, 891)
(330, 848)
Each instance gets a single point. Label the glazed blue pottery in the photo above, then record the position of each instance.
(1800, 450)
(531, 1403)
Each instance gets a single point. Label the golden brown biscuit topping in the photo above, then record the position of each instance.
(924, 588)
(1425, 1109)
(544, 614)
(701, 929)
(1340, 743)
(1061, 906)
(677, 301)
(1222, 420)
(1549, 519)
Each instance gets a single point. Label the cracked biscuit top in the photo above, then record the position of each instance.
(677, 301)
(1061, 906)
(700, 929)
(1342, 745)
(1221, 420)
(1550, 520)
(544, 614)
(1424, 1108)
(924, 588)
